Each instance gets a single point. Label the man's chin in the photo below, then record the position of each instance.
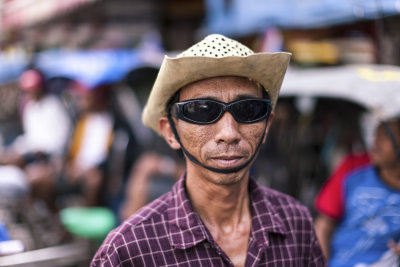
(228, 179)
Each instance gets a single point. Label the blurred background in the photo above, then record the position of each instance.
(99, 59)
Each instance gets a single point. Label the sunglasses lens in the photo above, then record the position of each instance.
(250, 110)
(208, 111)
(202, 111)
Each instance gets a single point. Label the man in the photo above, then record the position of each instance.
(359, 205)
(214, 102)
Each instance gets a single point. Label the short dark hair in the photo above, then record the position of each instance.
(174, 99)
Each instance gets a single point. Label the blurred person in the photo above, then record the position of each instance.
(359, 205)
(152, 175)
(45, 122)
(46, 127)
(214, 102)
(101, 150)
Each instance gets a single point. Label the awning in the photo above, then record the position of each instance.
(89, 67)
(20, 13)
(376, 87)
(241, 17)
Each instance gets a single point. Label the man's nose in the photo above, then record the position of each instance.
(227, 129)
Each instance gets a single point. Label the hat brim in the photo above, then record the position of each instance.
(266, 68)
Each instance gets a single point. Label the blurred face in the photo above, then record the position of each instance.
(87, 101)
(92, 101)
(31, 84)
(226, 143)
(382, 152)
(34, 94)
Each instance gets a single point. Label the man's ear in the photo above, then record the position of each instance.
(168, 134)
(269, 122)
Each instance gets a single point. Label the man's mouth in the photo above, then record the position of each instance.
(228, 161)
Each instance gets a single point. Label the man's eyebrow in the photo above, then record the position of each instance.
(237, 97)
(243, 96)
(202, 97)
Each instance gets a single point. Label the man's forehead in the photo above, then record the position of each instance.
(222, 85)
(224, 79)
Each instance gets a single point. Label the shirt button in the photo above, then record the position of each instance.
(207, 245)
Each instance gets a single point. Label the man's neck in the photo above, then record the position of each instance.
(224, 209)
(221, 206)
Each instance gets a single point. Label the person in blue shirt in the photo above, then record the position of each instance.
(359, 206)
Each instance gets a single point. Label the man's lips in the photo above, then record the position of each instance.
(228, 160)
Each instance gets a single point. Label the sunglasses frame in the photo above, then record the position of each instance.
(177, 110)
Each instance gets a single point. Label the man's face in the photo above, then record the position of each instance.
(382, 152)
(225, 144)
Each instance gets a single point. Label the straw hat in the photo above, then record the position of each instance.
(214, 56)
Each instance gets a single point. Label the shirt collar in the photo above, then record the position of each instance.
(187, 229)
(266, 219)
(185, 225)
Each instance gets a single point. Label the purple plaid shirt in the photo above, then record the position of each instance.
(167, 232)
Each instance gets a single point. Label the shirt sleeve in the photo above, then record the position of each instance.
(317, 258)
(116, 251)
(330, 200)
(109, 254)
(311, 252)
(102, 259)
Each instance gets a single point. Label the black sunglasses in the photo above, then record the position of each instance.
(207, 111)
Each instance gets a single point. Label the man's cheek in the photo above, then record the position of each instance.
(195, 137)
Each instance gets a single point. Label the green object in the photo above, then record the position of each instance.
(88, 222)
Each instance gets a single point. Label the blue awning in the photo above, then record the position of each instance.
(89, 67)
(11, 67)
(240, 17)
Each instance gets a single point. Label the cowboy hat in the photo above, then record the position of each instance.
(214, 56)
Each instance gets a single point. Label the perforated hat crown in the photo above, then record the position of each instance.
(214, 56)
(218, 46)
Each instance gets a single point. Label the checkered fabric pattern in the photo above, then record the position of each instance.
(168, 232)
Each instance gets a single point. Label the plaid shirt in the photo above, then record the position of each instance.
(168, 232)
